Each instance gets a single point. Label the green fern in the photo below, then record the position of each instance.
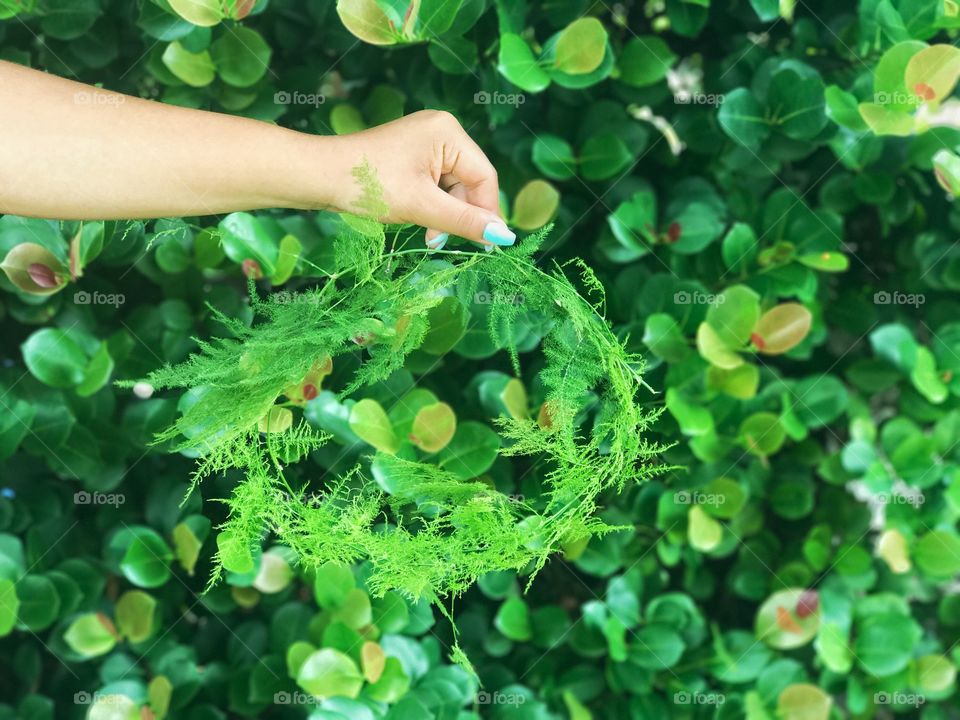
(435, 534)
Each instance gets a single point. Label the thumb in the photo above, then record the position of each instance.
(448, 214)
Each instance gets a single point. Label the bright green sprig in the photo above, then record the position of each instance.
(435, 534)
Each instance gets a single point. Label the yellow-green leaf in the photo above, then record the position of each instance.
(433, 427)
(581, 46)
(367, 21)
(781, 328)
(535, 205)
(370, 423)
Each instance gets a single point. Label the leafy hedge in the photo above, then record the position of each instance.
(759, 187)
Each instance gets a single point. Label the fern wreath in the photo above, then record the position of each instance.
(433, 531)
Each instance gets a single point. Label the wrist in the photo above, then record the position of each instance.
(312, 173)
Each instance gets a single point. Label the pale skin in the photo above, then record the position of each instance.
(74, 152)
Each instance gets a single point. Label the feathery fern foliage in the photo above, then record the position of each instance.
(435, 533)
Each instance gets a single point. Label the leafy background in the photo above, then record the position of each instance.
(783, 256)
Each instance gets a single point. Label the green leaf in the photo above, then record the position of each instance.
(54, 358)
(781, 328)
(825, 261)
(603, 156)
(926, 378)
(889, 86)
(159, 691)
(581, 46)
(742, 118)
(392, 685)
(712, 348)
(703, 532)
(330, 673)
(739, 248)
(471, 452)
(656, 646)
(935, 673)
(663, 336)
(803, 701)
(513, 620)
(884, 120)
(186, 546)
(946, 168)
(39, 602)
(146, 562)
(354, 611)
(448, 324)
(234, 553)
(783, 623)
(553, 156)
(370, 423)
(734, 315)
(694, 419)
(645, 61)
(367, 21)
(937, 553)
(34, 269)
(762, 434)
(433, 427)
(740, 382)
(135, 615)
(518, 65)
(842, 107)
(884, 643)
(195, 69)
(9, 606)
(535, 205)
(798, 104)
(91, 635)
(97, 373)
(205, 13)
(332, 585)
(244, 238)
(932, 73)
(241, 56)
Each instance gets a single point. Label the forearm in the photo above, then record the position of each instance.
(71, 151)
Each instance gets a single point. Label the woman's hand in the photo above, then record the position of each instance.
(432, 174)
(70, 151)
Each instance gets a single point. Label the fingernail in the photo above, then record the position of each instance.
(498, 234)
(488, 248)
(438, 242)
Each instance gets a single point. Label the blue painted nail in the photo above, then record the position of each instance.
(438, 242)
(498, 234)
